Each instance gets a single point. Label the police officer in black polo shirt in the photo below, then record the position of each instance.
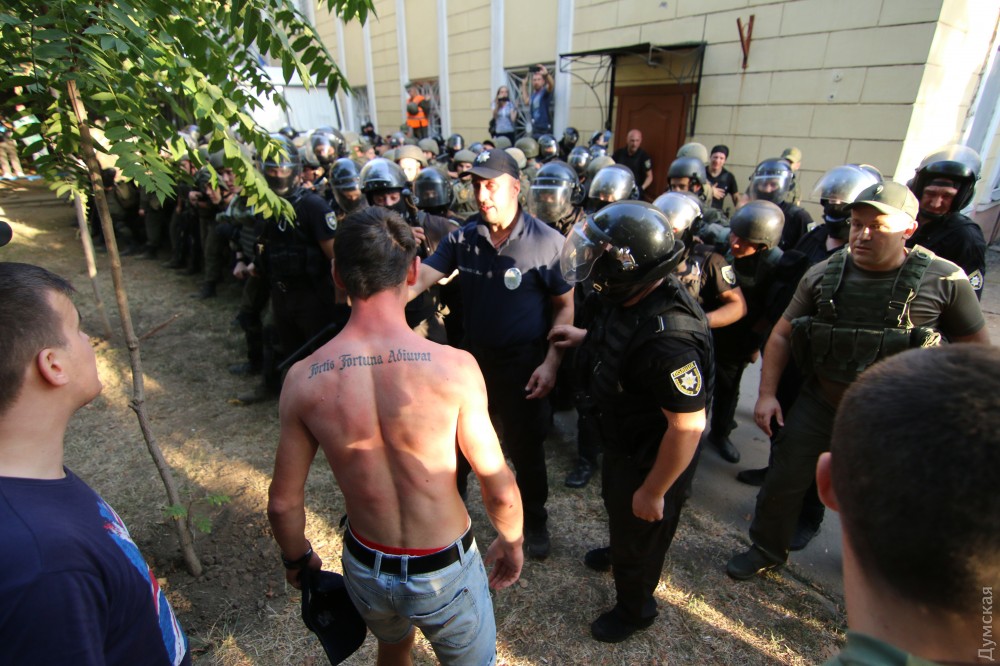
(513, 291)
(650, 353)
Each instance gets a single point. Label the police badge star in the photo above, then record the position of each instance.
(687, 379)
(976, 279)
(729, 275)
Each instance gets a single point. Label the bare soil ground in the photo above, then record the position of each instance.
(240, 611)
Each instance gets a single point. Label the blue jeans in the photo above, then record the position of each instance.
(451, 606)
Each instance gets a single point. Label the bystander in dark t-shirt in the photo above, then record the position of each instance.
(639, 164)
(507, 291)
(75, 588)
(727, 181)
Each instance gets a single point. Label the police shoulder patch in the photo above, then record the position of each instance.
(976, 279)
(331, 221)
(729, 275)
(687, 379)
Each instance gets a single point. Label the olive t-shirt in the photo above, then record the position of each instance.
(944, 301)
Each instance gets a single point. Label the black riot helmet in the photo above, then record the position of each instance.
(596, 164)
(836, 190)
(600, 138)
(614, 182)
(771, 181)
(346, 181)
(758, 222)
(597, 150)
(454, 143)
(382, 176)
(548, 148)
(958, 164)
(432, 191)
(553, 192)
(621, 249)
(683, 212)
(289, 132)
(282, 167)
(570, 138)
(328, 147)
(693, 169)
(579, 158)
(477, 147)
(528, 146)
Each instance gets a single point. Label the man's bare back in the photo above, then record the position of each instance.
(386, 409)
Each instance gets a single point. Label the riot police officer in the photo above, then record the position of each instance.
(705, 273)
(568, 142)
(345, 188)
(614, 182)
(294, 257)
(649, 355)
(384, 184)
(579, 158)
(944, 185)
(772, 181)
(548, 148)
(555, 196)
(755, 232)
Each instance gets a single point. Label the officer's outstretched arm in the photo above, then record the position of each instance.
(777, 353)
(426, 276)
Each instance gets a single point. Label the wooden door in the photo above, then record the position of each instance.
(660, 113)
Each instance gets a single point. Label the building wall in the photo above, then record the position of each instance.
(875, 81)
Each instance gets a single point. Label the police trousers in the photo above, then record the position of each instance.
(523, 424)
(638, 547)
(806, 435)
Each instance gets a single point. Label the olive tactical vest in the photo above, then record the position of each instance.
(860, 322)
(633, 424)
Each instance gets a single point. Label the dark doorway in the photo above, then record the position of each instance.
(660, 113)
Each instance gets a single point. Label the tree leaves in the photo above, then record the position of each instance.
(145, 68)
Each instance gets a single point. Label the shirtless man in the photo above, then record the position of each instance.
(387, 407)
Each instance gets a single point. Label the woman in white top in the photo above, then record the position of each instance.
(504, 114)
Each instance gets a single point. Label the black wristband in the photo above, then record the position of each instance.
(299, 563)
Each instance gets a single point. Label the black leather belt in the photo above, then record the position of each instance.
(420, 564)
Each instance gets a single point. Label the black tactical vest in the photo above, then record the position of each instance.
(694, 270)
(290, 255)
(861, 322)
(633, 424)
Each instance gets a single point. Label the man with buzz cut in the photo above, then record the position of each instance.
(919, 511)
(387, 407)
(74, 588)
(867, 302)
(513, 293)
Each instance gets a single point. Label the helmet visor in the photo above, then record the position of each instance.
(583, 247)
(771, 187)
(550, 203)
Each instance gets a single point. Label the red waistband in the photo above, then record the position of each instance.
(392, 550)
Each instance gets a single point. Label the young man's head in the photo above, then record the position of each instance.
(882, 218)
(40, 333)
(374, 250)
(912, 471)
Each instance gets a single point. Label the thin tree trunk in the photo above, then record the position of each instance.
(138, 402)
(88, 254)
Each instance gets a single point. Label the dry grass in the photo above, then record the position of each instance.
(241, 612)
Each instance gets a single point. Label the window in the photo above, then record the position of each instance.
(359, 101)
(515, 78)
(429, 89)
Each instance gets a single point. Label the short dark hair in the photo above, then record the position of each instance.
(720, 149)
(372, 251)
(28, 323)
(916, 449)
